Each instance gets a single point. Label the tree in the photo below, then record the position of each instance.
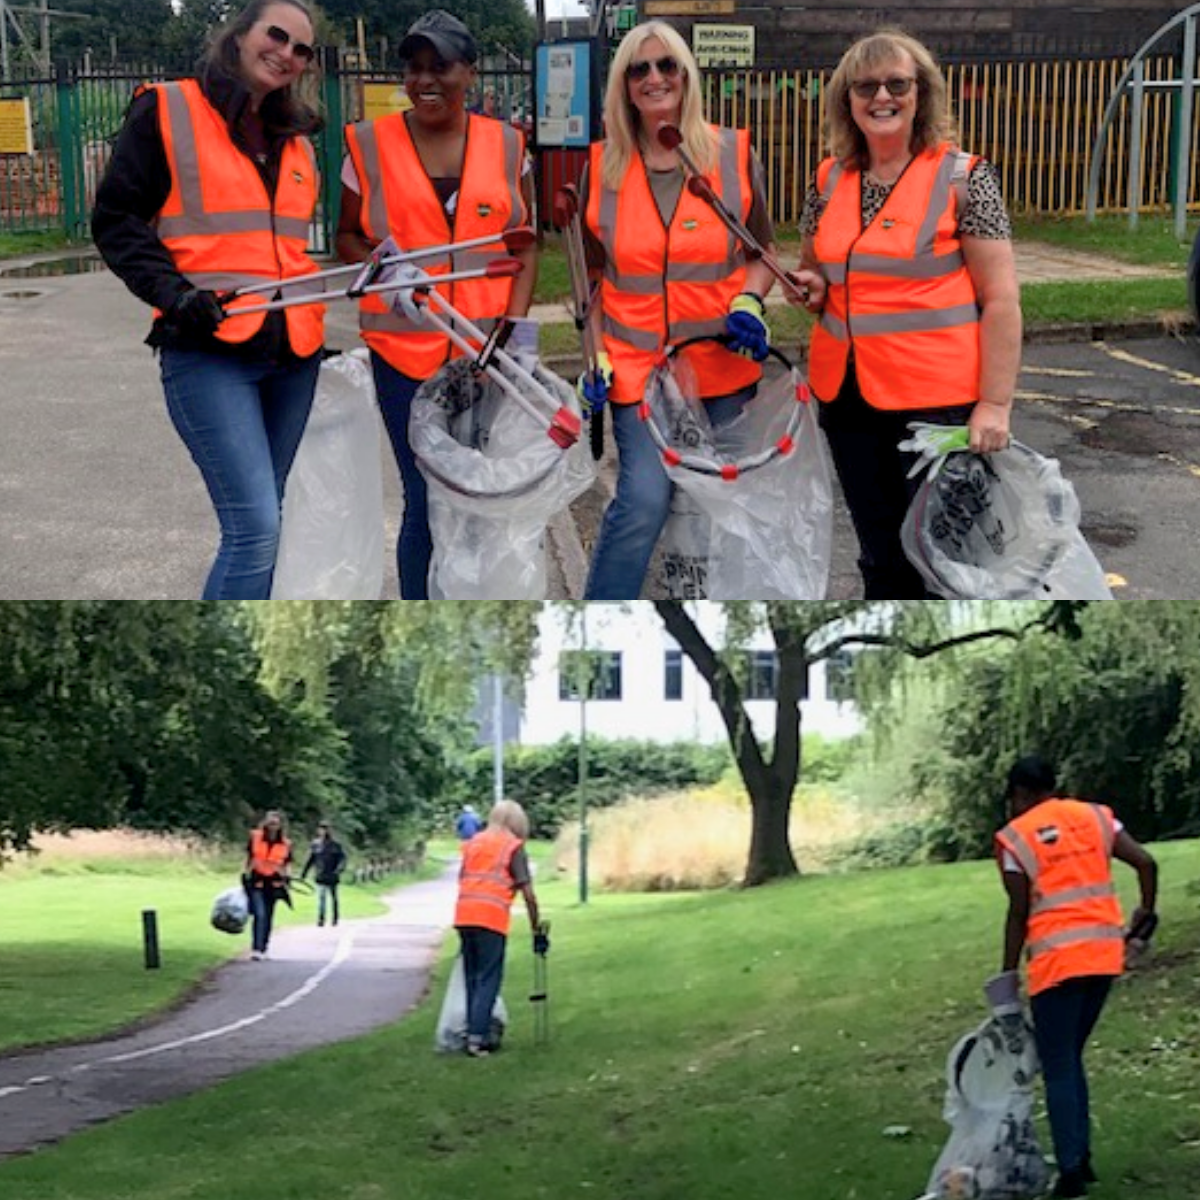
(805, 634)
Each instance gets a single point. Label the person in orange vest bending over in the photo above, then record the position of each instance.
(212, 186)
(268, 857)
(428, 176)
(668, 271)
(906, 251)
(1055, 857)
(494, 868)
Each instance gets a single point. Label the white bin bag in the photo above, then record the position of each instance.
(755, 517)
(997, 526)
(496, 477)
(331, 542)
(231, 910)
(451, 1037)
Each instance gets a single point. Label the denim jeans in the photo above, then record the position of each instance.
(639, 509)
(1063, 1019)
(874, 478)
(262, 910)
(327, 892)
(483, 969)
(242, 422)
(414, 547)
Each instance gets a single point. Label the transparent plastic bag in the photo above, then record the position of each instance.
(331, 542)
(758, 490)
(231, 910)
(451, 1036)
(998, 526)
(495, 479)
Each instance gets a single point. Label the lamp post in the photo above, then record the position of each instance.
(585, 685)
(497, 737)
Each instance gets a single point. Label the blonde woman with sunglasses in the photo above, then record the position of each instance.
(212, 185)
(668, 271)
(907, 256)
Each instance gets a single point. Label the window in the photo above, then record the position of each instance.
(839, 676)
(605, 674)
(762, 675)
(673, 675)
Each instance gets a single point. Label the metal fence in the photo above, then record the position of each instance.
(1036, 120)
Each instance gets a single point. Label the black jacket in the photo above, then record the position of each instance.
(328, 858)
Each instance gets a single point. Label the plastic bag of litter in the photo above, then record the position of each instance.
(451, 1037)
(495, 479)
(331, 541)
(997, 526)
(231, 910)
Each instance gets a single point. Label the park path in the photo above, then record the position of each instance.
(319, 986)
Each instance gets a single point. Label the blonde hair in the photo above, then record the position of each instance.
(623, 132)
(508, 814)
(932, 123)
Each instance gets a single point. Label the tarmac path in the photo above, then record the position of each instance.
(318, 986)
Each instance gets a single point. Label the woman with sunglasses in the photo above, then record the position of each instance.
(907, 256)
(425, 177)
(212, 185)
(668, 271)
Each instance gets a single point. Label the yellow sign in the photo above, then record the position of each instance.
(380, 99)
(723, 45)
(16, 132)
(689, 8)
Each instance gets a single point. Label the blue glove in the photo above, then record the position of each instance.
(593, 389)
(746, 326)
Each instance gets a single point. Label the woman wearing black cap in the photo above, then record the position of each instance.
(431, 175)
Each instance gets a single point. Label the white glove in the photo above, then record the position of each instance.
(522, 342)
(932, 443)
(406, 278)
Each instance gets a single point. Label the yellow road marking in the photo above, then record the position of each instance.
(1184, 377)
(1116, 405)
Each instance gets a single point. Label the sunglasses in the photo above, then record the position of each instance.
(898, 85)
(667, 67)
(281, 37)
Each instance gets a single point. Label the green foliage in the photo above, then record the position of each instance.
(545, 779)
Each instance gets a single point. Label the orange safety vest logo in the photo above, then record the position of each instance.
(221, 226)
(1075, 927)
(485, 882)
(664, 284)
(899, 290)
(399, 198)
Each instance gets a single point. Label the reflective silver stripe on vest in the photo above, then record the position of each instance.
(1107, 834)
(682, 330)
(731, 190)
(834, 326)
(917, 322)
(639, 339)
(835, 173)
(833, 272)
(697, 272)
(635, 285)
(959, 181)
(1021, 850)
(1069, 937)
(1068, 896)
(512, 174)
(939, 197)
(218, 281)
(215, 223)
(187, 158)
(394, 322)
(368, 145)
(927, 266)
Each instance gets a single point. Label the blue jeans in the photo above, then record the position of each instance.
(1063, 1019)
(327, 892)
(483, 969)
(242, 422)
(262, 909)
(414, 547)
(639, 509)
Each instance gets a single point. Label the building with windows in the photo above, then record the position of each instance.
(648, 689)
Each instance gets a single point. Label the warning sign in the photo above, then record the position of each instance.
(380, 99)
(723, 45)
(16, 132)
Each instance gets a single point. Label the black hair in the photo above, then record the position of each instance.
(1032, 773)
(285, 112)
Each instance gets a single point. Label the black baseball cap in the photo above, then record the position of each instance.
(445, 33)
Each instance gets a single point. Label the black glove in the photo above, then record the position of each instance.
(196, 311)
(541, 942)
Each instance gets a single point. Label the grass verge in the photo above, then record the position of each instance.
(748, 1044)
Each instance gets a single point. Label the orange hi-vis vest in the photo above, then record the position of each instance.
(268, 858)
(1075, 928)
(221, 225)
(899, 290)
(398, 197)
(485, 882)
(663, 283)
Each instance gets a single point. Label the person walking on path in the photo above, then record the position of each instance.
(907, 257)
(212, 185)
(1055, 857)
(328, 859)
(268, 857)
(494, 868)
(468, 823)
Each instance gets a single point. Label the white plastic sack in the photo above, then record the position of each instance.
(451, 1035)
(231, 910)
(331, 543)
(495, 479)
(998, 526)
(992, 1152)
(766, 532)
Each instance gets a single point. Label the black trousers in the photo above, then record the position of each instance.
(483, 969)
(874, 477)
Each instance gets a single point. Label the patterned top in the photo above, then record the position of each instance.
(984, 215)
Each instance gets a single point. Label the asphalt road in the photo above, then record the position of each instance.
(319, 986)
(100, 500)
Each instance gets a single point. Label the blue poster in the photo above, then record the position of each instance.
(564, 94)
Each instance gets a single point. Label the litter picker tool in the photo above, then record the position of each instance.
(540, 996)
(670, 137)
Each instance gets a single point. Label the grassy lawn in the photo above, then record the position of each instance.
(730, 1044)
(17, 245)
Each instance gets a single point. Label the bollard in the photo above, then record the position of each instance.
(150, 939)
